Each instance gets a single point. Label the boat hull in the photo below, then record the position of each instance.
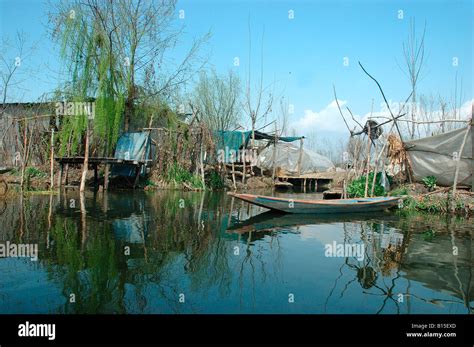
(355, 205)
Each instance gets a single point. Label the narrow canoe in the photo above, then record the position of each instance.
(5, 169)
(274, 220)
(320, 206)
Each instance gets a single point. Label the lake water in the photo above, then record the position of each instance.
(188, 252)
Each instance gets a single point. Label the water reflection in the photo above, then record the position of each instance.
(177, 252)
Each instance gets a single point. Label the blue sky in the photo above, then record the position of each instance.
(303, 57)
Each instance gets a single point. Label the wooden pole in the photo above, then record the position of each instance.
(25, 154)
(368, 162)
(300, 157)
(274, 153)
(66, 174)
(374, 179)
(472, 149)
(85, 165)
(376, 164)
(52, 159)
(96, 177)
(253, 139)
(243, 157)
(106, 176)
(82, 201)
(201, 161)
(233, 169)
(60, 178)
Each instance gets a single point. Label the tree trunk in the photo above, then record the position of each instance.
(25, 154)
(85, 166)
(52, 159)
(368, 163)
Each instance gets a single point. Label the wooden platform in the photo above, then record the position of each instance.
(316, 175)
(94, 162)
(100, 160)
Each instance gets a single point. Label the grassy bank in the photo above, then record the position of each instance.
(435, 202)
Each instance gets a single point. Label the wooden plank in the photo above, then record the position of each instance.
(238, 173)
(100, 160)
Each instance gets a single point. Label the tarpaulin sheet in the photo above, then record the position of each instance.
(232, 141)
(287, 156)
(131, 146)
(436, 156)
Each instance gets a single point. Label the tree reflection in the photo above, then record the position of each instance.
(137, 253)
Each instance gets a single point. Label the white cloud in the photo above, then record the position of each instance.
(329, 119)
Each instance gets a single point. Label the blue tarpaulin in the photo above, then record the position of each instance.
(232, 141)
(131, 146)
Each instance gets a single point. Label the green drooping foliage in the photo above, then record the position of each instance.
(94, 79)
(356, 188)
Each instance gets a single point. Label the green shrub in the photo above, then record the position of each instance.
(402, 190)
(180, 175)
(33, 172)
(430, 182)
(356, 188)
(215, 181)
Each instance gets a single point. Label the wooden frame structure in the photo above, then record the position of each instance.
(94, 162)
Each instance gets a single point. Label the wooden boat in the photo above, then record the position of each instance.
(320, 206)
(271, 221)
(5, 169)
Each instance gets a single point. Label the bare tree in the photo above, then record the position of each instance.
(258, 103)
(414, 55)
(283, 116)
(218, 100)
(12, 70)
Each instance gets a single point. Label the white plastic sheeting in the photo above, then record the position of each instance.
(437, 156)
(286, 158)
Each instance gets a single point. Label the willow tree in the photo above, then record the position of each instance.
(110, 49)
(88, 54)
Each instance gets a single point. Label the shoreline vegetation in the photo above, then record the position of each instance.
(416, 197)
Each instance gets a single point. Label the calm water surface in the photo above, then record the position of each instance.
(178, 252)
